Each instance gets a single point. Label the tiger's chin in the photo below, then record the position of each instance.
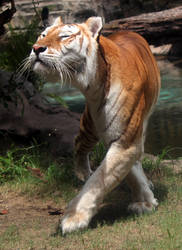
(46, 72)
(40, 68)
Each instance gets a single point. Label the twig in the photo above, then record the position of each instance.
(35, 9)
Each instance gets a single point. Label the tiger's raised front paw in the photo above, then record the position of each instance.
(73, 222)
(142, 207)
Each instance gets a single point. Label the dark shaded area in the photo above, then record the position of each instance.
(45, 16)
(82, 15)
(6, 15)
(160, 192)
(127, 8)
(165, 130)
(118, 200)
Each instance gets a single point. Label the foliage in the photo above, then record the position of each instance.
(12, 54)
(12, 167)
(13, 51)
(18, 45)
(154, 166)
(98, 154)
(58, 99)
(59, 173)
(19, 163)
(16, 162)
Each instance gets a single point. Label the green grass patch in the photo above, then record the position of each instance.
(111, 228)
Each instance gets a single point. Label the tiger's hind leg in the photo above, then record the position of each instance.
(142, 195)
(143, 200)
(84, 143)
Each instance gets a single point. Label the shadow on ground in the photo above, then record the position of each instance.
(115, 205)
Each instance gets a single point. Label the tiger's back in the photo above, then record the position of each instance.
(139, 53)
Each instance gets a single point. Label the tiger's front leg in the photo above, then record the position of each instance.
(84, 143)
(109, 174)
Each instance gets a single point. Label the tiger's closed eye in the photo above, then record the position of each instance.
(64, 37)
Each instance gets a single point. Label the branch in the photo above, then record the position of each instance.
(158, 27)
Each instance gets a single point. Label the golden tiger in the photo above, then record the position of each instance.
(120, 80)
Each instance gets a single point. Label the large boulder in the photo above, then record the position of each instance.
(32, 116)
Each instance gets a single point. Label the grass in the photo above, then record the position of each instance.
(32, 170)
(30, 194)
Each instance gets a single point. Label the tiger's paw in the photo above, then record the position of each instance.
(73, 222)
(82, 173)
(142, 207)
(82, 167)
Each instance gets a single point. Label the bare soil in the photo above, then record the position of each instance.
(19, 210)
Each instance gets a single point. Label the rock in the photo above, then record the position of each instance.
(73, 10)
(161, 50)
(33, 117)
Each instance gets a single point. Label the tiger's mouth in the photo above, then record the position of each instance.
(40, 66)
(38, 60)
(45, 70)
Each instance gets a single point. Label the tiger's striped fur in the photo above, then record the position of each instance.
(119, 77)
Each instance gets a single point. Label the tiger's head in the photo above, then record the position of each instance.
(67, 52)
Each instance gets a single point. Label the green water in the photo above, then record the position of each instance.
(171, 87)
(73, 98)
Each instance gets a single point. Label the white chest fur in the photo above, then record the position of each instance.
(107, 119)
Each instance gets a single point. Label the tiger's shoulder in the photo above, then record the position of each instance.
(131, 59)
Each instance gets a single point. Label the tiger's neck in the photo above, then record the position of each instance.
(94, 82)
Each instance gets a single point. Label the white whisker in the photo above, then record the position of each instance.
(63, 68)
(23, 68)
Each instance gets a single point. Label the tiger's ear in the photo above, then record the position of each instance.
(95, 25)
(57, 21)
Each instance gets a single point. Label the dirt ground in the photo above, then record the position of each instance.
(21, 209)
(17, 209)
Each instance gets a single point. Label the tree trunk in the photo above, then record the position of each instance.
(158, 28)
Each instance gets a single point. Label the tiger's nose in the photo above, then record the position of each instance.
(38, 49)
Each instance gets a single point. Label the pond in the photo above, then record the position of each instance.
(165, 126)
